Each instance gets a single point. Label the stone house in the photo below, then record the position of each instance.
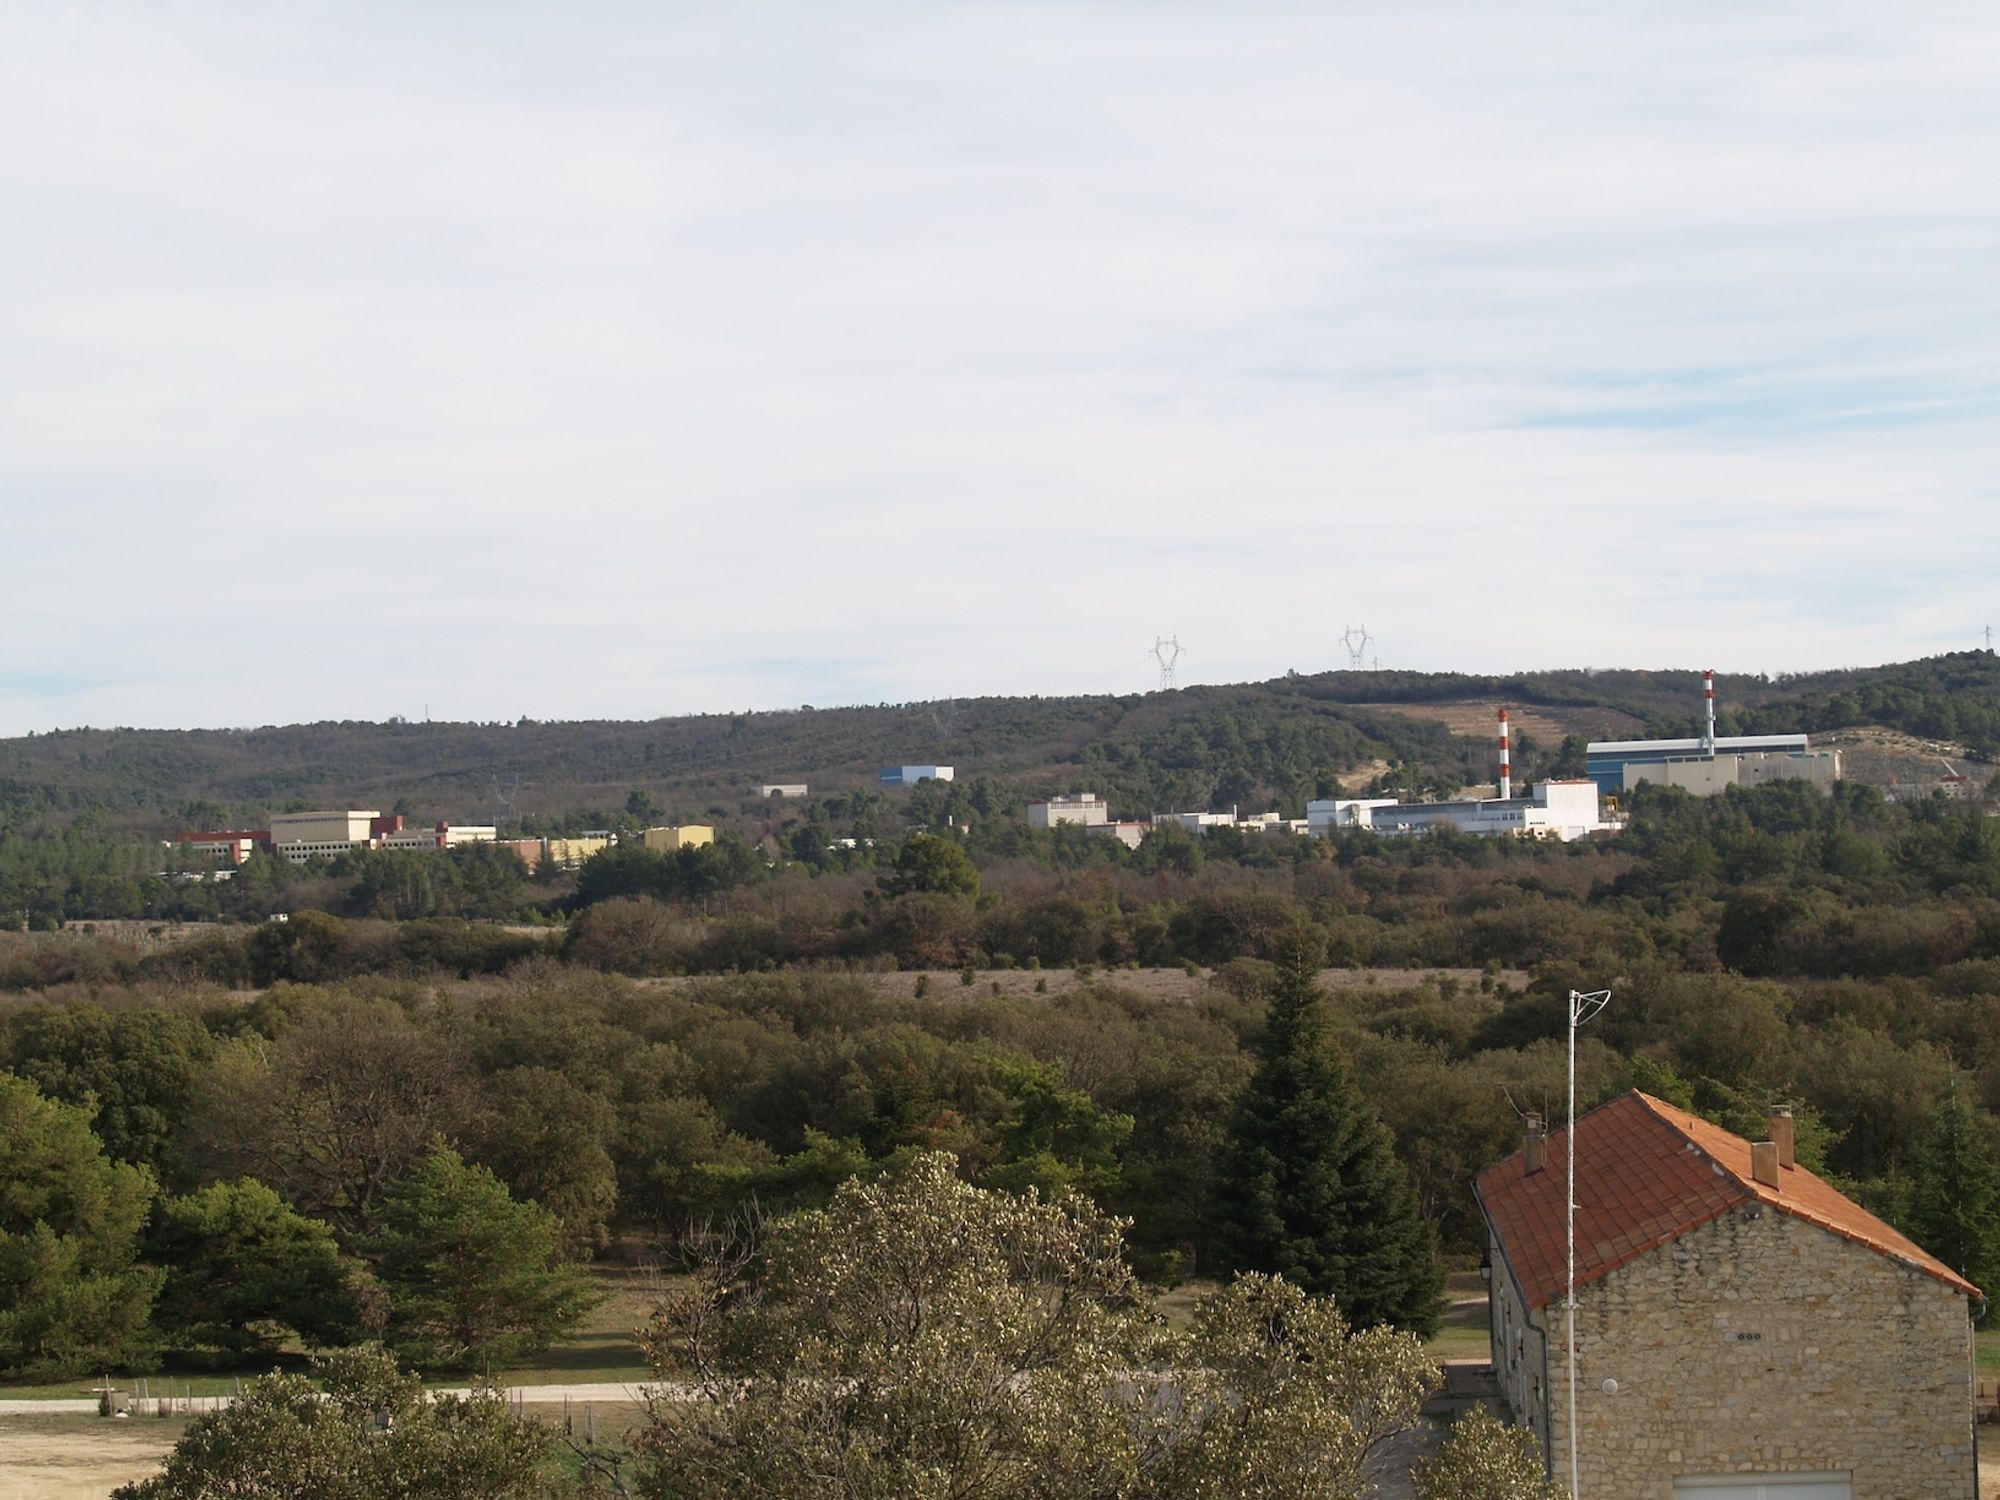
(1743, 1331)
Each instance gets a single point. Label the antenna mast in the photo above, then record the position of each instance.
(504, 811)
(1582, 1008)
(1167, 651)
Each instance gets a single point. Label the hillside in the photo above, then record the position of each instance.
(1254, 744)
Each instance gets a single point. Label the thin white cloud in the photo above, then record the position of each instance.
(612, 359)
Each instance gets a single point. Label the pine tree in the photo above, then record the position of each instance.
(475, 1279)
(1310, 1186)
(1953, 1213)
(71, 1297)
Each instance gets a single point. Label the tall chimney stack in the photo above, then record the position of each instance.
(1781, 1134)
(1708, 696)
(1535, 1152)
(1506, 762)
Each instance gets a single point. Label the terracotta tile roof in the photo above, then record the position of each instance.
(1648, 1173)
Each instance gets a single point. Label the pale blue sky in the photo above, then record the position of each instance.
(620, 360)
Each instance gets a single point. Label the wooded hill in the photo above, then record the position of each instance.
(1257, 745)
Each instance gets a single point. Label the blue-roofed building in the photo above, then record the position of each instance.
(1607, 759)
(1617, 766)
(911, 775)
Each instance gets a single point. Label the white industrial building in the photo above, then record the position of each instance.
(1086, 808)
(1556, 809)
(1130, 834)
(1203, 822)
(1323, 817)
(781, 789)
(1196, 822)
(1091, 813)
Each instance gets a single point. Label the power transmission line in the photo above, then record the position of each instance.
(1167, 651)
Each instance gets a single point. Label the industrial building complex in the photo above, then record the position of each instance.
(1089, 812)
(299, 837)
(309, 835)
(1554, 808)
(1710, 763)
(1562, 809)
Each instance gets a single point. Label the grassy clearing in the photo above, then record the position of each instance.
(1987, 1344)
(1463, 1333)
(604, 1347)
(586, 1431)
(160, 1382)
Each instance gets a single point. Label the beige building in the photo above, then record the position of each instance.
(1130, 834)
(1743, 1331)
(530, 852)
(1707, 776)
(439, 836)
(686, 836)
(1086, 808)
(345, 828)
(781, 789)
(567, 854)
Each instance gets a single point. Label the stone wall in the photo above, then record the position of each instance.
(1760, 1343)
(1520, 1356)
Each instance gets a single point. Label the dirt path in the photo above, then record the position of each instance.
(81, 1459)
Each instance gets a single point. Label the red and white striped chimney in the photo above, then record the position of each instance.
(1708, 695)
(1506, 765)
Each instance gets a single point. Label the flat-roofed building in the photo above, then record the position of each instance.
(1086, 808)
(225, 848)
(346, 827)
(911, 775)
(1328, 814)
(683, 836)
(568, 853)
(1618, 766)
(1130, 834)
(408, 839)
(530, 852)
(1196, 822)
(1556, 809)
(781, 789)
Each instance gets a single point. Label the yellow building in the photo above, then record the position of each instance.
(687, 836)
(567, 854)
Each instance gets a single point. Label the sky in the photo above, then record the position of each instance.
(606, 360)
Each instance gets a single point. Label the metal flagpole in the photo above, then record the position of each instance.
(1581, 1008)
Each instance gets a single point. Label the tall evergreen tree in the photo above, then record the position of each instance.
(475, 1279)
(1953, 1212)
(1310, 1186)
(71, 1297)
